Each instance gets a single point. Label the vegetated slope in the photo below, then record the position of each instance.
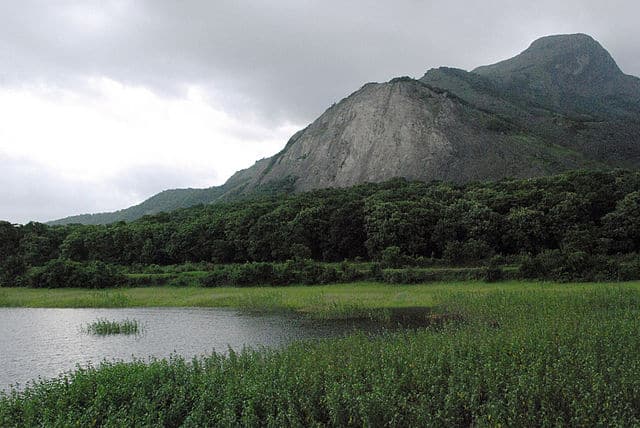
(570, 74)
(565, 89)
(561, 104)
(167, 200)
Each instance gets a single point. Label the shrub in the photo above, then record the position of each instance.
(630, 270)
(216, 278)
(571, 266)
(349, 273)
(391, 257)
(468, 251)
(375, 272)
(301, 271)
(150, 280)
(255, 273)
(180, 281)
(493, 271)
(10, 271)
(61, 273)
(408, 276)
(251, 274)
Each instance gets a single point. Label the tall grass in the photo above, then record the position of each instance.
(104, 327)
(307, 299)
(541, 355)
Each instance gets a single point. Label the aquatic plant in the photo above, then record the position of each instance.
(104, 327)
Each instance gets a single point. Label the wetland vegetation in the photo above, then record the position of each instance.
(524, 355)
(104, 327)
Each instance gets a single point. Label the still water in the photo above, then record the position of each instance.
(46, 342)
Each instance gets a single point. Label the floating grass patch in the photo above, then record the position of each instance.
(104, 327)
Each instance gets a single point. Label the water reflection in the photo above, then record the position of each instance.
(45, 342)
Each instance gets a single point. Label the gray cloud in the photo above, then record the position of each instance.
(146, 180)
(285, 60)
(34, 192)
(268, 63)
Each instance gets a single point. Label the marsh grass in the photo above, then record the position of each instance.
(104, 327)
(324, 301)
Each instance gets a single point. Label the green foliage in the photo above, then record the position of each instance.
(493, 271)
(65, 273)
(300, 271)
(622, 225)
(469, 251)
(11, 264)
(417, 275)
(596, 213)
(630, 269)
(391, 257)
(575, 266)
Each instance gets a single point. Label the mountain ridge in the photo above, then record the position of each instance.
(563, 103)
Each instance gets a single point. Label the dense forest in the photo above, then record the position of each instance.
(577, 218)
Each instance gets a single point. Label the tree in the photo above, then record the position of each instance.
(622, 226)
(525, 230)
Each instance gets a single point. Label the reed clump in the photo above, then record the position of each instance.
(104, 327)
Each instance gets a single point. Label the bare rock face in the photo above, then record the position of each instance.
(397, 129)
(405, 128)
(381, 131)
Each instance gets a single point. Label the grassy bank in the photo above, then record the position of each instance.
(527, 355)
(362, 295)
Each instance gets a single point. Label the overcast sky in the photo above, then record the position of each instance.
(105, 102)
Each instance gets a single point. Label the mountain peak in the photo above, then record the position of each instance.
(577, 57)
(566, 41)
(570, 74)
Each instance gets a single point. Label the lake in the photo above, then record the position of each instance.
(46, 342)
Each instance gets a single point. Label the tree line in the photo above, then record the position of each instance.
(595, 213)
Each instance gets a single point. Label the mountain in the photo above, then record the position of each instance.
(561, 104)
(410, 129)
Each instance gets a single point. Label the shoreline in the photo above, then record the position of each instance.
(305, 299)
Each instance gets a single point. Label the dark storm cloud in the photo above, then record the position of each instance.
(285, 60)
